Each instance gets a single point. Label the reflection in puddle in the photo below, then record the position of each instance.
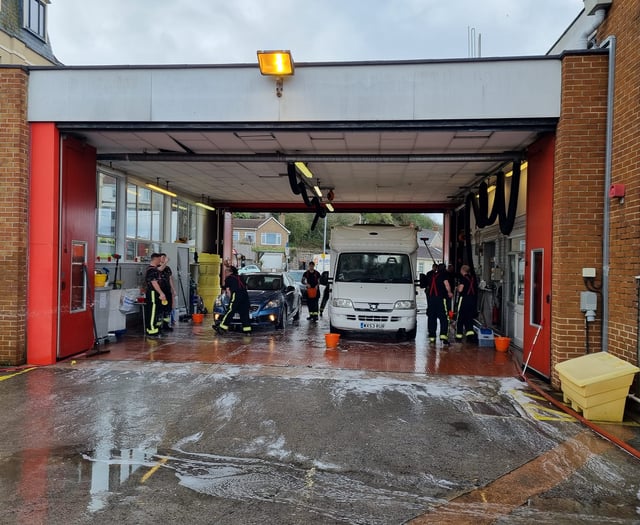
(110, 468)
(321, 488)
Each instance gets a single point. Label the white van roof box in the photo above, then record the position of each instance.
(374, 238)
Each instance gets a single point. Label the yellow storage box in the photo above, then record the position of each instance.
(596, 385)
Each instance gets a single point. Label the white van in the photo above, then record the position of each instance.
(372, 279)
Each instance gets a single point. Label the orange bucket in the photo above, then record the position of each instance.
(197, 318)
(502, 343)
(331, 340)
(312, 293)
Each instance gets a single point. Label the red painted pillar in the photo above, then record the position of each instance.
(44, 233)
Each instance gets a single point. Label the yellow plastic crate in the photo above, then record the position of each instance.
(597, 385)
(209, 258)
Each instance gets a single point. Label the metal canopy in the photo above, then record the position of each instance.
(420, 147)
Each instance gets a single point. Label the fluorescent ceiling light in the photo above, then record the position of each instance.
(302, 168)
(523, 167)
(205, 206)
(162, 190)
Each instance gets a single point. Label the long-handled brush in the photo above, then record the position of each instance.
(533, 344)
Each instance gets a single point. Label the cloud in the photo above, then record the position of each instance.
(214, 32)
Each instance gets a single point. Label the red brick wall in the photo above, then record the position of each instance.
(578, 201)
(14, 191)
(622, 21)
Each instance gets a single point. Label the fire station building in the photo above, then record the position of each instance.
(557, 136)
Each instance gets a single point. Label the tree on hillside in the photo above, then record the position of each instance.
(303, 237)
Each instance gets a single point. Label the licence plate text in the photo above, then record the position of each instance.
(372, 325)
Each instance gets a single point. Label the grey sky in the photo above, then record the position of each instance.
(101, 32)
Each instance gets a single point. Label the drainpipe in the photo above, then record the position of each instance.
(610, 43)
(583, 39)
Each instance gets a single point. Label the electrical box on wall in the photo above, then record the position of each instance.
(588, 301)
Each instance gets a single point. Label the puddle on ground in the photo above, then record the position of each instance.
(321, 489)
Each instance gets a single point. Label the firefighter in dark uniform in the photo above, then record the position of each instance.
(467, 305)
(426, 282)
(154, 299)
(238, 302)
(438, 296)
(312, 279)
(168, 288)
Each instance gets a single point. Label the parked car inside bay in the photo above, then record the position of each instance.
(296, 275)
(273, 297)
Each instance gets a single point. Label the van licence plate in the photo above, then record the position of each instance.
(372, 325)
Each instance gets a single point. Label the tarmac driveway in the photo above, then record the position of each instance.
(144, 442)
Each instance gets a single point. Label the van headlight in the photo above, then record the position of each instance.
(342, 303)
(404, 305)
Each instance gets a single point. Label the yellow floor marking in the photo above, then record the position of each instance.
(17, 373)
(539, 412)
(153, 469)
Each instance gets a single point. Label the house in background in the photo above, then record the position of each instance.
(264, 242)
(23, 33)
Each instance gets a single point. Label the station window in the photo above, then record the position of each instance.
(144, 221)
(35, 12)
(107, 215)
(133, 220)
(537, 300)
(183, 221)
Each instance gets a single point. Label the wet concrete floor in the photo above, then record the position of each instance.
(276, 428)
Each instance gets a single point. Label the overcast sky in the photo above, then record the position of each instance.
(101, 32)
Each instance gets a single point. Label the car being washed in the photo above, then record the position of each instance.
(273, 297)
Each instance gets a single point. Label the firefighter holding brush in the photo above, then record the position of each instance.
(439, 295)
(467, 306)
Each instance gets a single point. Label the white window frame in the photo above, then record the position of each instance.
(264, 236)
(38, 24)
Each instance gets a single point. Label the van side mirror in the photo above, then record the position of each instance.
(324, 278)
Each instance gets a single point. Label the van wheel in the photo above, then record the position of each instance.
(406, 334)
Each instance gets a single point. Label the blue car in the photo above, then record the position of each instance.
(274, 301)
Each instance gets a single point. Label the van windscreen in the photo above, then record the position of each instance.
(365, 267)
